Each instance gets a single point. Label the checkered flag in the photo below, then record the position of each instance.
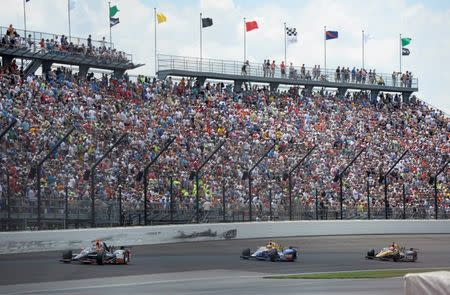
(291, 34)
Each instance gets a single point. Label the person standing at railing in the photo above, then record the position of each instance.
(283, 70)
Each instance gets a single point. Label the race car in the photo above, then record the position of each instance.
(271, 252)
(98, 253)
(393, 253)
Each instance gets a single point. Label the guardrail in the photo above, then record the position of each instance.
(21, 242)
(227, 67)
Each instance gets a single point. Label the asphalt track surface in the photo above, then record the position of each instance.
(164, 265)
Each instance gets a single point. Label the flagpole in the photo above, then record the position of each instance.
(156, 69)
(110, 30)
(363, 49)
(68, 14)
(24, 19)
(325, 50)
(285, 50)
(245, 42)
(201, 54)
(400, 53)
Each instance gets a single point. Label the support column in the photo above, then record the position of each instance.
(238, 85)
(201, 80)
(7, 60)
(274, 86)
(341, 92)
(83, 70)
(46, 66)
(118, 74)
(405, 96)
(374, 96)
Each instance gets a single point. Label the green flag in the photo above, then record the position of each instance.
(113, 10)
(406, 41)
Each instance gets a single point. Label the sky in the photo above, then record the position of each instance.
(426, 22)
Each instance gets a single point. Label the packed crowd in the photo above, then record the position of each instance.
(152, 111)
(63, 45)
(342, 74)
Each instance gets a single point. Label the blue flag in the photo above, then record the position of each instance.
(331, 35)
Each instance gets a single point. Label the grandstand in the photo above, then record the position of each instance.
(79, 151)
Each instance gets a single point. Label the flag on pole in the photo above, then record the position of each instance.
(207, 22)
(331, 35)
(405, 51)
(291, 34)
(161, 18)
(113, 10)
(113, 21)
(367, 37)
(406, 41)
(250, 26)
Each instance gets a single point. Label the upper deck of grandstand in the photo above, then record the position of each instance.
(239, 72)
(45, 49)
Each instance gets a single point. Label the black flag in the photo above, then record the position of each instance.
(405, 51)
(113, 21)
(207, 22)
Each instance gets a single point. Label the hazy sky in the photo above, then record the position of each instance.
(426, 22)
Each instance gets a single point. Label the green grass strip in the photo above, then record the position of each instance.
(371, 274)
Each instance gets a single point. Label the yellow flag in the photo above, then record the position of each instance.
(161, 18)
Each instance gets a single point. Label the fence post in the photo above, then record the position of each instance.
(171, 199)
(120, 205)
(93, 176)
(290, 197)
(317, 205)
(38, 189)
(250, 181)
(66, 206)
(8, 199)
(404, 201)
(436, 205)
(341, 198)
(197, 172)
(223, 202)
(169, 142)
(341, 175)
(249, 197)
(386, 203)
(368, 195)
(270, 203)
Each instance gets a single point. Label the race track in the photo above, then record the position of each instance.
(166, 262)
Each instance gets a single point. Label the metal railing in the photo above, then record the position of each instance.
(227, 67)
(32, 44)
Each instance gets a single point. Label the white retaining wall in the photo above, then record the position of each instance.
(31, 241)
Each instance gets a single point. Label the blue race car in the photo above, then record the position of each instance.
(271, 252)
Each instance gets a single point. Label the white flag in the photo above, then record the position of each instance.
(367, 37)
(291, 34)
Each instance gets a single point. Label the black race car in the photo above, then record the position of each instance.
(99, 253)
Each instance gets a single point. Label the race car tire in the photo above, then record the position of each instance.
(246, 253)
(100, 258)
(371, 253)
(273, 255)
(396, 257)
(67, 256)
